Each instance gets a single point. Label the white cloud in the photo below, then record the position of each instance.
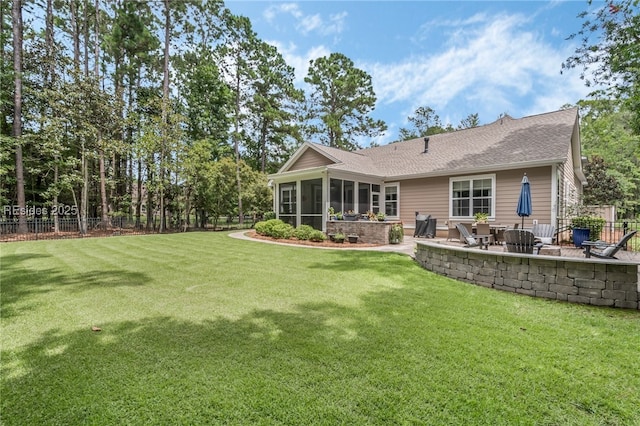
(300, 62)
(307, 23)
(488, 62)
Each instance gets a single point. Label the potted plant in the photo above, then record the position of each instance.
(381, 216)
(481, 217)
(339, 237)
(339, 216)
(585, 228)
(332, 214)
(396, 233)
(350, 215)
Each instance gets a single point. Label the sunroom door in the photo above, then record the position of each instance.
(311, 203)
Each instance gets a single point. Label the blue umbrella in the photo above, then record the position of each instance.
(524, 202)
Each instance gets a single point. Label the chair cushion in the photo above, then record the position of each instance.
(546, 240)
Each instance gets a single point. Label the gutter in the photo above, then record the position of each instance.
(478, 170)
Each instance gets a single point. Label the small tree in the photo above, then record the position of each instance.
(602, 188)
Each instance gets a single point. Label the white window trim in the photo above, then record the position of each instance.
(470, 178)
(383, 194)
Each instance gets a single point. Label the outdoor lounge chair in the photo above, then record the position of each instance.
(606, 251)
(470, 241)
(520, 241)
(544, 232)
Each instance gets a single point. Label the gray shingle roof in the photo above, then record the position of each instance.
(506, 143)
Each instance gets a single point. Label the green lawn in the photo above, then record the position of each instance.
(200, 328)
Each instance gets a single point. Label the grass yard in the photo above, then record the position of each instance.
(200, 328)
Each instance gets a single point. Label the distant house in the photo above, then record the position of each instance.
(450, 176)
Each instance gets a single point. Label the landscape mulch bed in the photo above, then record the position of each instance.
(326, 243)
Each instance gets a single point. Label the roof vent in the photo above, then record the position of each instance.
(426, 145)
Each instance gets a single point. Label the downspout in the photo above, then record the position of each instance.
(555, 194)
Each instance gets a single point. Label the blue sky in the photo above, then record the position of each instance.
(457, 57)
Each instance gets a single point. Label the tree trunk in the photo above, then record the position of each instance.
(236, 142)
(16, 15)
(84, 200)
(165, 108)
(103, 188)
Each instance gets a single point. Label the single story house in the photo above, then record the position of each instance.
(450, 176)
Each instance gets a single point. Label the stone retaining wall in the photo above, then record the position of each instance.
(589, 281)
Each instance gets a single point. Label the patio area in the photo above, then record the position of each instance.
(568, 276)
(569, 251)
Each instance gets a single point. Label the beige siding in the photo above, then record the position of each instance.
(570, 186)
(508, 185)
(431, 196)
(427, 196)
(310, 159)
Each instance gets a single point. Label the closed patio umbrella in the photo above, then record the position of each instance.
(524, 202)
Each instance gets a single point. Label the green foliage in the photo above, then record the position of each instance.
(340, 102)
(275, 228)
(606, 133)
(317, 236)
(472, 120)
(594, 223)
(602, 188)
(424, 122)
(269, 215)
(303, 232)
(481, 217)
(396, 232)
(282, 231)
(265, 227)
(608, 52)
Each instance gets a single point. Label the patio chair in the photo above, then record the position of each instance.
(544, 232)
(608, 251)
(469, 239)
(520, 241)
(453, 233)
(484, 230)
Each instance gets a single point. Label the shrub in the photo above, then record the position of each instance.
(269, 215)
(266, 227)
(594, 223)
(396, 232)
(282, 231)
(317, 236)
(303, 232)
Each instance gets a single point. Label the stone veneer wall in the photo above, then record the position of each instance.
(368, 232)
(589, 281)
